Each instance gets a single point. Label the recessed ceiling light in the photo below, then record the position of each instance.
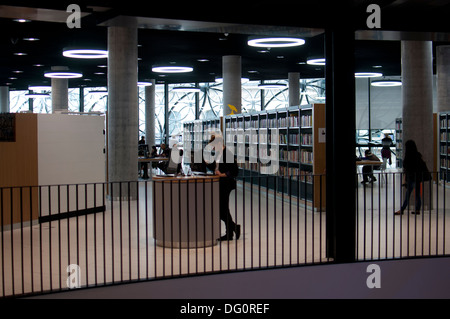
(243, 80)
(63, 74)
(38, 64)
(270, 86)
(320, 61)
(99, 73)
(20, 53)
(202, 60)
(102, 66)
(30, 39)
(386, 83)
(172, 69)
(39, 88)
(21, 20)
(275, 42)
(12, 78)
(144, 83)
(17, 71)
(367, 74)
(85, 53)
(377, 66)
(37, 95)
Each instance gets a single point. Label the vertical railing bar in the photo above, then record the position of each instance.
(171, 228)
(306, 218)
(313, 187)
(196, 224)
(290, 220)
(104, 233)
(21, 237)
(94, 185)
(129, 229)
(282, 220)
(146, 229)
(299, 181)
(59, 236)
(120, 230)
(111, 187)
(179, 226)
(243, 224)
(212, 220)
(68, 224)
(267, 220)
(386, 216)
(86, 234)
(40, 238)
(379, 214)
(259, 222)
(320, 218)
(3, 243)
(138, 225)
(188, 185)
(251, 226)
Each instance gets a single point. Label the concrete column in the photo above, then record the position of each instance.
(60, 92)
(150, 113)
(294, 88)
(4, 99)
(232, 86)
(417, 95)
(123, 110)
(443, 77)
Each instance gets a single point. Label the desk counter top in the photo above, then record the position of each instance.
(375, 163)
(181, 178)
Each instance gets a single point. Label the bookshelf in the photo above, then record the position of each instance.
(197, 133)
(444, 146)
(295, 136)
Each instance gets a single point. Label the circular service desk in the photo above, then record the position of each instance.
(186, 211)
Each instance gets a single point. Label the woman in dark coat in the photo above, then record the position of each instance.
(413, 169)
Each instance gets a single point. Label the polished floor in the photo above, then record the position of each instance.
(277, 230)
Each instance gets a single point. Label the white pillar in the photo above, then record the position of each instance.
(150, 113)
(4, 99)
(60, 92)
(123, 109)
(232, 86)
(294, 88)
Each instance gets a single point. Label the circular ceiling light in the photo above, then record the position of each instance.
(368, 74)
(145, 83)
(243, 80)
(40, 88)
(63, 74)
(37, 95)
(275, 42)
(386, 83)
(270, 86)
(172, 69)
(85, 53)
(320, 61)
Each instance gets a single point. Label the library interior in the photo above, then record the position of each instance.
(117, 124)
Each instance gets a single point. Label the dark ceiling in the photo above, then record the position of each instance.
(185, 33)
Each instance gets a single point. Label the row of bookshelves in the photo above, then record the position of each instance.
(284, 122)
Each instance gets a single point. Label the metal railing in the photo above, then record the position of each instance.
(56, 238)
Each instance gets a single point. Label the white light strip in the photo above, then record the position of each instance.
(386, 83)
(40, 88)
(37, 95)
(320, 61)
(275, 42)
(172, 69)
(63, 75)
(269, 86)
(85, 54)
(367, 74)
(243, 80)
(144, 83)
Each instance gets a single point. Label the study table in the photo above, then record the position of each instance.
(186, 211)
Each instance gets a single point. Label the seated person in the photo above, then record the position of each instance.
(368, 169)
(154, 151)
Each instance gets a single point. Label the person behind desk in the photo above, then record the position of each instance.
(368, 169)
(386, 143)
(227, 169)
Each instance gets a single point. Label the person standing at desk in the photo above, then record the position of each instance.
(386, 143)
(368, 169)
(227, 170)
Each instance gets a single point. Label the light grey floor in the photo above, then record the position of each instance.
(276, 231)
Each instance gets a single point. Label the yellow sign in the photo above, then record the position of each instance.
(233, 109)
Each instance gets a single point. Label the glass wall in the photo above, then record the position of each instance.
(183, 105)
